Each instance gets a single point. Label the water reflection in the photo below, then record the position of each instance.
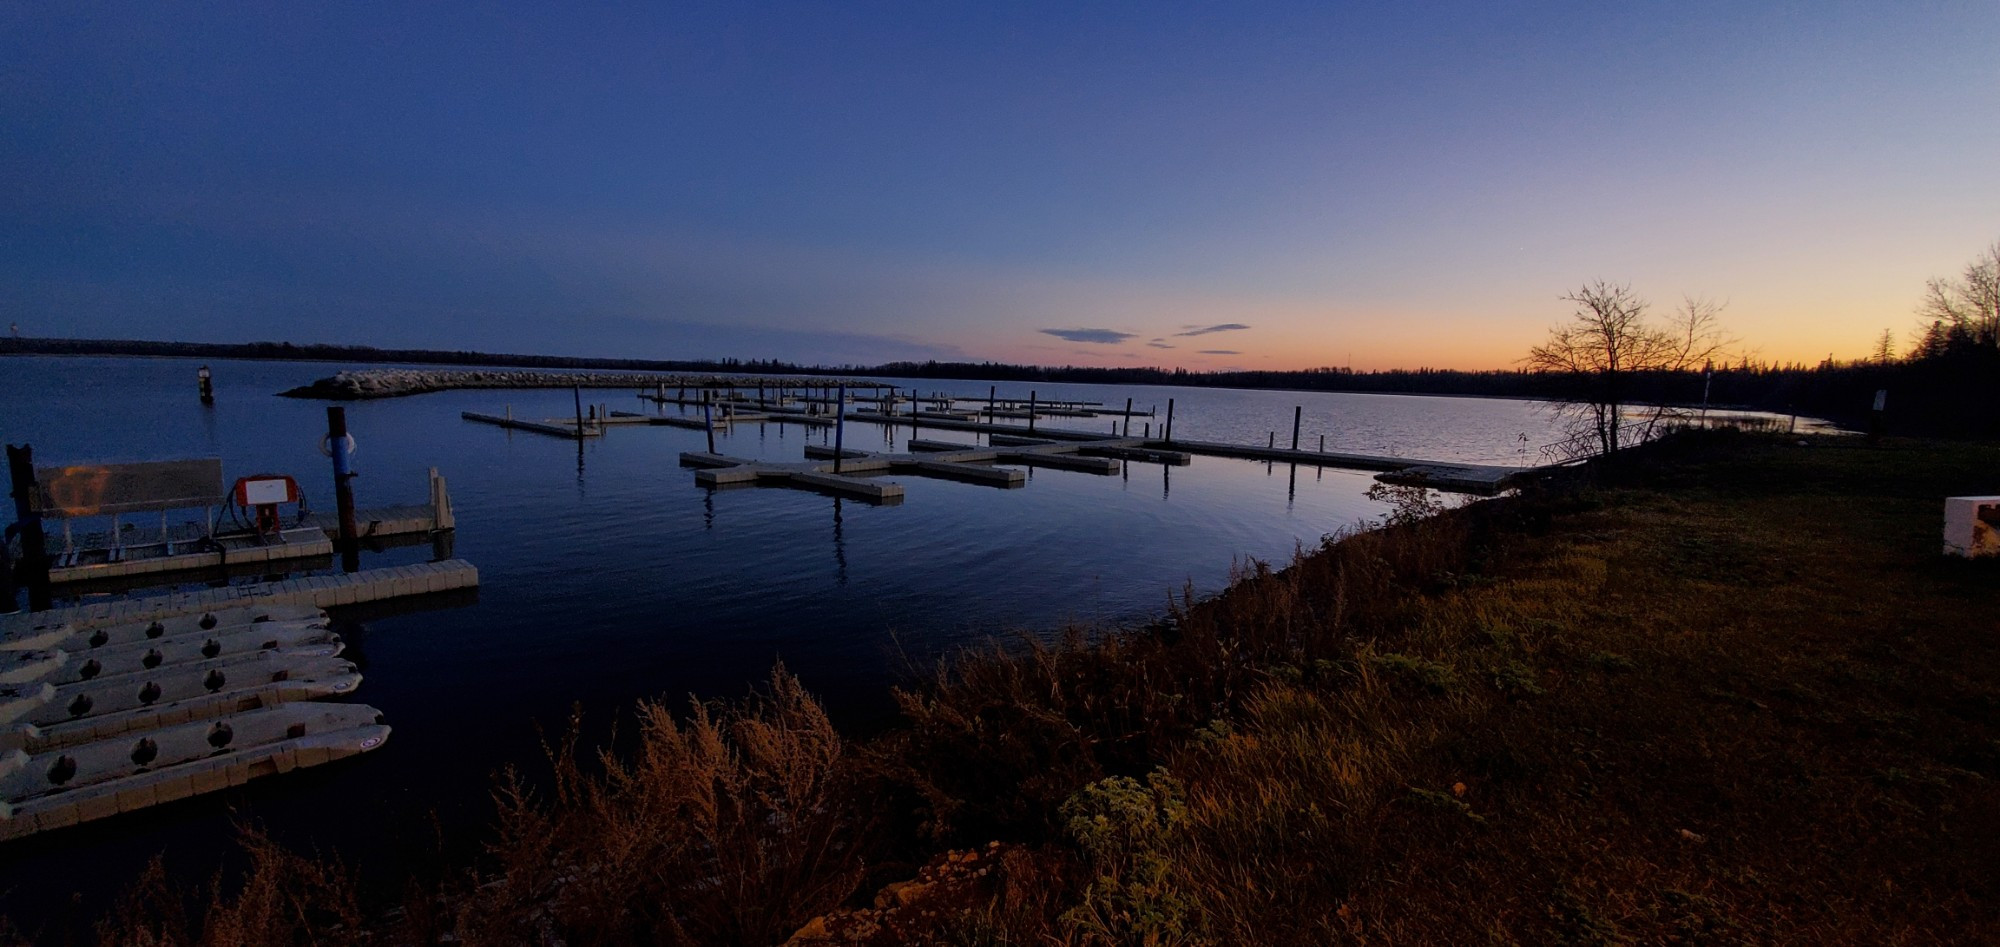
(839, 547)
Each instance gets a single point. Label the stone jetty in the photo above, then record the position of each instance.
(396, 382)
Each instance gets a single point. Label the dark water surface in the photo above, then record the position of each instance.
(610, 576)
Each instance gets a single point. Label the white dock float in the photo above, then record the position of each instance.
(95, 709)
(317, 592)
(65, 786)
(83, 664)
(53, 632)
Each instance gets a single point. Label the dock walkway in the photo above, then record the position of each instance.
(842, 474)
(1066, 450)
(1483, 479)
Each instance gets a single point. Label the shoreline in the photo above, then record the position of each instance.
(1726, 684)
(440, 360)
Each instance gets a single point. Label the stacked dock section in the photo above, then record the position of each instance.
(99, 717)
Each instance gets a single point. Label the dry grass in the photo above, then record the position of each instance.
(282, 898)
(1728, 693)
(734, 825)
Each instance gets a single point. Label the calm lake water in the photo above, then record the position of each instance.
(608, 576)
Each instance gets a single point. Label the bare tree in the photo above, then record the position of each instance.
(1967, 308)
(1605, 347)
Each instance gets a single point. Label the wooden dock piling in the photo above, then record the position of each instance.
(28, 520)
(708, 420)
(339, 445)
(839, 427)
(1298, 412)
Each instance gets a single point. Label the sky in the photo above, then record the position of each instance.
(1207, 186)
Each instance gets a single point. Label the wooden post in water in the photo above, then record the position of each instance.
(992, 404)
(1031, 411)
(343, 490)
(441, 515)
(1273, 443)
(839, 428)
(207, 384)
(28, 521)
(577, 392)
(1128, 417)
(1298, 411)
(1169, 429)
(1322, 443)
(708, 420)
(443, 524)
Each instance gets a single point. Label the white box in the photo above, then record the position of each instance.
(1965, 534)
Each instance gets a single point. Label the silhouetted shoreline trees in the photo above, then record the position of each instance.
(1947, 384)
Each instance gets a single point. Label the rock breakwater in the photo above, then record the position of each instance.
(397, 382)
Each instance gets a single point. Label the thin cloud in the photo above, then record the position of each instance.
(1204, 330)
(1156, 343)
(1220, 352)
(1093, 336)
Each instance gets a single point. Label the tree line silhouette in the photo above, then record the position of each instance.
(1947, 384)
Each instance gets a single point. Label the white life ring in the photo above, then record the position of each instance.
(326, 444)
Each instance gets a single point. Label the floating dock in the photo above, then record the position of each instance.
(84, 565)
(115, 706)
(842, 473)
(1009, 444)
(100, 715)
(828, 472)
(326, 591)
(68, 785)
(1483, 479)
(554, 427)
(200, 549)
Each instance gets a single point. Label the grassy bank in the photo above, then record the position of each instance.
(1729, 692)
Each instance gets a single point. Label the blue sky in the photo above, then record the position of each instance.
(1339, 183)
